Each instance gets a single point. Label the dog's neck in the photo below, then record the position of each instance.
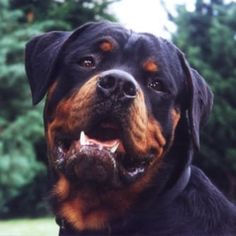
(159, 202)
(171, 180)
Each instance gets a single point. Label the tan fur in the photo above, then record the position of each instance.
(73, 112)
(150, 66)
(145, 132)
(175, 115)
(106, 46)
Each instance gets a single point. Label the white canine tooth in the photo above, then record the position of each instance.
(114, 148)
(60, 149)
(82, 138)
(100, 147)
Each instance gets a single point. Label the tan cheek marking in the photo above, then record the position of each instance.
(81, 105)
(175, 118)
(175, 115)
(145, 132)
(155, 139)
(61, 118)
(138, 120)
(150, 66)
(106, 46)
(74, 111)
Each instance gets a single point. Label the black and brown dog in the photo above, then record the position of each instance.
(122, 119)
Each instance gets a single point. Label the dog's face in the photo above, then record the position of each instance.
(115, 99)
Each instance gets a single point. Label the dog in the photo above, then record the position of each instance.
(122, 119)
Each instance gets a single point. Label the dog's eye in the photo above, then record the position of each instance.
(87, 62)
(156, 85)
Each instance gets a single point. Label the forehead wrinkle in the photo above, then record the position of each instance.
(133, 41)
(144, 51)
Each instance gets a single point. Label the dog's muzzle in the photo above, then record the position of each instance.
(102, 138)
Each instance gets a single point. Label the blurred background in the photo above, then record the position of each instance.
(204, 29)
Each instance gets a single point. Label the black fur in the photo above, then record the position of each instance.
(182, 201)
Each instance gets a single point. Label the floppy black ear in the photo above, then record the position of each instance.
(200, 100)
(40, 57)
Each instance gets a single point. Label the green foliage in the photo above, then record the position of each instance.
(67, 14)
(22, 158)
(19, 125)
(207, 36)
(77, 14)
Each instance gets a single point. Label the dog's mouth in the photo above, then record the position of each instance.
(100, 154)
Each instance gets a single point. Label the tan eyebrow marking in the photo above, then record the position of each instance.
(106, 46)
(150, 66)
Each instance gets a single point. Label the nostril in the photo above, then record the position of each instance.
(129, 89)
(107, 82)
(117, 85)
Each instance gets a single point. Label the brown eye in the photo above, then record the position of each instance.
(156, 85)
(87, 62)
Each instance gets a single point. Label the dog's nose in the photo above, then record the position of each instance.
(118, 83)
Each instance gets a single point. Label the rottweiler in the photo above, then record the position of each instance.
(122, 119)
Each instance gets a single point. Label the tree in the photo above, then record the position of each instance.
(207, 36)
(22, 150)
(19, 125)
(67, 14)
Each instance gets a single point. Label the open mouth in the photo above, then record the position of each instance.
(106, 145)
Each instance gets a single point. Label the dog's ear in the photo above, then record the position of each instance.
(41, 55)
(200, 100)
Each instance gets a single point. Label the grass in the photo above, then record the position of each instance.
(29, 227)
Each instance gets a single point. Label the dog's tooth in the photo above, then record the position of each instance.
(82, 138)
(60, 150)
(114, 148)
(100, 147)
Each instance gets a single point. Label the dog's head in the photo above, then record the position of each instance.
(115, 99)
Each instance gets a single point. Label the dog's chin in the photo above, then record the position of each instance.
(105, 163)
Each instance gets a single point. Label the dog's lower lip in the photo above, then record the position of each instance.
(131, 174)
